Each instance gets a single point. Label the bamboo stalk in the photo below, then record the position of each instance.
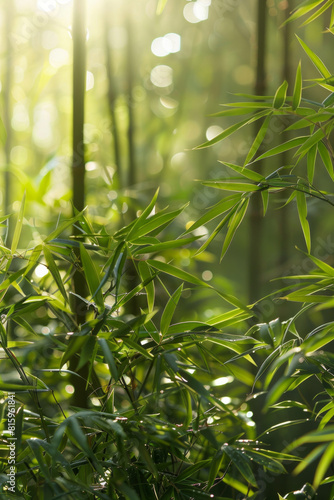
(112, 96)
(132, 171)
(7, 111)
(286, 75)
(255, 271)
(78, 179)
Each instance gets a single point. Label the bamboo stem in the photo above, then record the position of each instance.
(9, 13)
(256, 222)
(112, 97)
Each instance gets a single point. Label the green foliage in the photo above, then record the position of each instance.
(159, 423)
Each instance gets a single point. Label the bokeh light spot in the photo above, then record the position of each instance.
(213, 131)
(162, 76)
(58, 58)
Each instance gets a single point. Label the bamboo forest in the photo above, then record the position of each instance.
(166, 249)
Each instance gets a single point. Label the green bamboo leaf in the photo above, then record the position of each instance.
(234, 224)
(323, 466)
(310, 141)
(280, 95)
(230, 130)
(169, 310)
(246, 105)
(91, 276)
(217, 229)
(258, 139)
(242, 463)
(311, 120)
(189, 471)
(54, 234)
(297, 91)
(319, 12)
(178, 273)
(54, 271)
(266, 461)
(8, 387)
(265, 200)
(315, 59)
(311, 157)
(233, 128)
(214, 468)
(246, 172)
(329, 101)
(108, 355)
(311, 457)
(279, 388)
(138, 348)
(241, 187)
(74, 347)
(18, 226)
(303, 9)
(329, 270)
(221, 207)
(160, 7)
(110, 265)
(286, 146)
(235, 111)
(166, 245)
(157, 221)
(326, 159)
(142, 218)
(79, 439)
(37, 451)
(145, 275)
(302, 212)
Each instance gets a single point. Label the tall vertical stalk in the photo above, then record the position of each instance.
(79, 85)
(7, 110)
(286, 75)
(112, 96)
(255, 221)
(78, 176)
(132, 174)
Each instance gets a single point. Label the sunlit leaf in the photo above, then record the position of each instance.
(318, 12)
(279, 98)
(234, 223)
(326, 159)
(311, 157)
(304, 9)
(302, 212)
(161, 5)
(145, 274)
(54, 271)
(242, 463)
(315, 59)
(285, 146)
(221, 207)
(297, 91)
(258, 140)
(18, 227)
(169, 310)
(91, 276)
(241, 187)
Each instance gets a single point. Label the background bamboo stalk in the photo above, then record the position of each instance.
(255, 256)
(7, 110)
(78, 179)
(112, 95)
(284, 244)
